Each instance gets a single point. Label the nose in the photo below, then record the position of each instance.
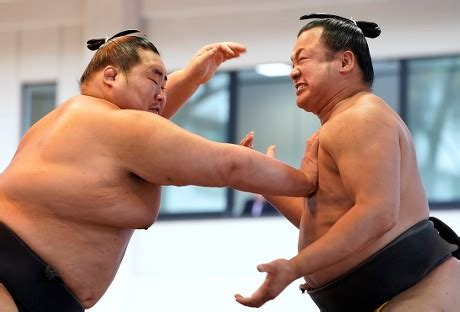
(161, 97)
(294, 73)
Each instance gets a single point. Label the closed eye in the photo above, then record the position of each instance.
(299, 60)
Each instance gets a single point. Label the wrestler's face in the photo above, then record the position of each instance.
(311, 70)
(143, 87)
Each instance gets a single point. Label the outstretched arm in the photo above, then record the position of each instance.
(292, 207)
(183, 83)
(162, 153)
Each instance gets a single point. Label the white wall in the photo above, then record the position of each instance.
(44, 40)
(268, 28)
(196, 265)
(9, 97)
(200, 265)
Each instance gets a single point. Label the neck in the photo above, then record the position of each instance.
(89, 90)
(338, 101)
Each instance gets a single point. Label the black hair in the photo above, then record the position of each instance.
(341, 34)
(122, 52)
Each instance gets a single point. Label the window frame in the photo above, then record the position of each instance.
(26, 102)
(232, 131)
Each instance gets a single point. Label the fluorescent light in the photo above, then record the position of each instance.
(273, 69)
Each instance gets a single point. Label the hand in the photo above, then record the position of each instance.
(248, 141)
(206, 61)
(280, 273)
(310, 161)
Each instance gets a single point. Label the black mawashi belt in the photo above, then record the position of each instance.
(393, 269)
(34, 285)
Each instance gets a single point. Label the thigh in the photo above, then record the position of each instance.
(6, 301)
(438, 291)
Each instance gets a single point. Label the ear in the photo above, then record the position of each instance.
(348, 62)
(110, 74)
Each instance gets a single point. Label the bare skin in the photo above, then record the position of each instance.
(369, 187)
(6, 301)
(89, 173)
(437, 292)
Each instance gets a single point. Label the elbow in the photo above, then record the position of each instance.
(387, 219)
(300, 184)
(229, 171)
(233, 174)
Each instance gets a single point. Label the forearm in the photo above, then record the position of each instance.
(290, 207)
(179, 88)
(255, 172)
(350, 234)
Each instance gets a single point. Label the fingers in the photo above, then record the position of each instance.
(215, 54)
(260, 297)
(229, 50)
(232, 49)
(207, 52)
(248, 140)
(236, 47)
(313, 138)
(210, 51)
(314, 145)
(271, 151)
(267, 291)
(262, 268)
(249, 302)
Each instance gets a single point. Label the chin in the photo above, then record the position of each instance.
(303, 105)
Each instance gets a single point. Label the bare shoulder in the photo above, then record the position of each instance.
(91, 124)
(82, 113)
(438, 291)
(83, 110)
(102, 119)
(363, 120)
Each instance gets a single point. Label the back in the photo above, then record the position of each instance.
(67, 153)
(95, 202)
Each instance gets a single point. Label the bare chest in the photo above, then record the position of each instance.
(327, 205)
(88, 193)
(331, 200)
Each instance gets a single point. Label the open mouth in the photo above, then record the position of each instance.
(155, 110)
(300, 86)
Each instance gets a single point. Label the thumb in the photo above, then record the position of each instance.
(263, 268)
(271, 151)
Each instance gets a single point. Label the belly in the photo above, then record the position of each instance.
(84, 245)
(97, 267)
(320, 214)
(85, 256)
(321, 277)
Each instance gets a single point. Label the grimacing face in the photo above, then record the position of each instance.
(144, 87)
(311, 70)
